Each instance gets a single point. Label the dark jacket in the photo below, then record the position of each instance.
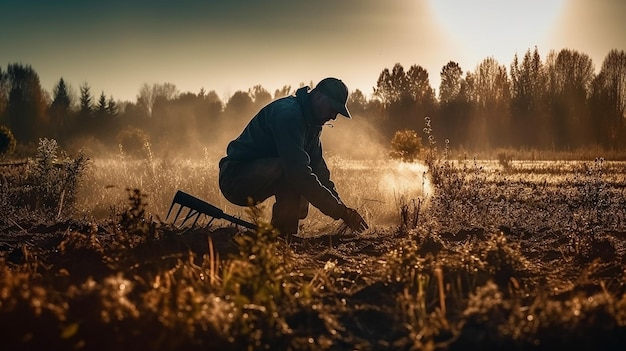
(286, 129)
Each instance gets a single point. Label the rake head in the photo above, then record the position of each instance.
(198, 207)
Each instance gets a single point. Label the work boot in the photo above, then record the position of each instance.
(304, 208)
(285, 220)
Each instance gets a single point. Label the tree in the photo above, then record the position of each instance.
(406, 97)
(529, 110)
(60, 113)
(102, 126)
(148, 95)
(212, 105)
(422, 102)
(26, 108)
(260, 96)
(111, 107)
(84, 122)
(4, 94)
(452, 105)
(208, 113)
(284, 91)
(357, 103)
(491, 98)
(86, 102)
(101, 108)
(450, 87)
(240, 105)
(391, 85)
(609, 100)
(570, 74)
(418, 86)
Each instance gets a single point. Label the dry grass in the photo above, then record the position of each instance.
(527, 256)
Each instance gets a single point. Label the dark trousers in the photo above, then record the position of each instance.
(249, 183)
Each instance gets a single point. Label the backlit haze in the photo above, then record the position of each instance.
(117, 46)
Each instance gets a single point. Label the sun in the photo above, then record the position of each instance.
(497, 28)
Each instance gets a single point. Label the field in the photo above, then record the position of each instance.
(460, 254)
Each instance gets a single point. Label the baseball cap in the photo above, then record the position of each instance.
(337, 92)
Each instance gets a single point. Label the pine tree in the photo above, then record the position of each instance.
(86, 105)
(59, 111)
(112, 108)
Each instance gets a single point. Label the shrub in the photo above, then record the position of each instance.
(7, 141)
(45, 187)
(133, 141)
(55, 178)
(504, 159)
(406, 145)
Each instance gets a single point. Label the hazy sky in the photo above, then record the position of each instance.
(229, 45)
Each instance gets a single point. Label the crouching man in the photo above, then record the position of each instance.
(279, 153)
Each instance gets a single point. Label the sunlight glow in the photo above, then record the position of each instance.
(406, 179)
(495, 27)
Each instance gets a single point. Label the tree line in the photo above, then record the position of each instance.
(556, 103)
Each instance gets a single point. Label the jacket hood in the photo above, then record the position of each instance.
(304, 99)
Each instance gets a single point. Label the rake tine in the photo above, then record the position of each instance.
(175, 201)
(170, 210)
(191, 213)
(210, 221)
(194, 222)
(177, 213)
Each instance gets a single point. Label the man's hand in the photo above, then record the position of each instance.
(354, 220)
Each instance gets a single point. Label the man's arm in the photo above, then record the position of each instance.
(319, 167)
(289, 133)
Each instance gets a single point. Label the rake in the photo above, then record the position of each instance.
(199, 207)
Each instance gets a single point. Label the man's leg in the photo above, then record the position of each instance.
(257, 181)
(286, 212)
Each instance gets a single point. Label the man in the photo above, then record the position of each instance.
(279, 153)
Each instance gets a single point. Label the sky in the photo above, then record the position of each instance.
(117, 46)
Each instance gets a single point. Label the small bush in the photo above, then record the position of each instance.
(133, 142)
(7, 141)
(505, 159)
(406, 145)
(56, 177)
(45, 186)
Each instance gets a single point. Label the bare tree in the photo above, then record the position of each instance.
(453, 107)
(609, 100)
(491, 97)
(570, 74)
(450, 87)
(529, 110)
(149, 94)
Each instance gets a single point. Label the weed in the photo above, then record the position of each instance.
(134, 226)
(256, 281)
(409, 213)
